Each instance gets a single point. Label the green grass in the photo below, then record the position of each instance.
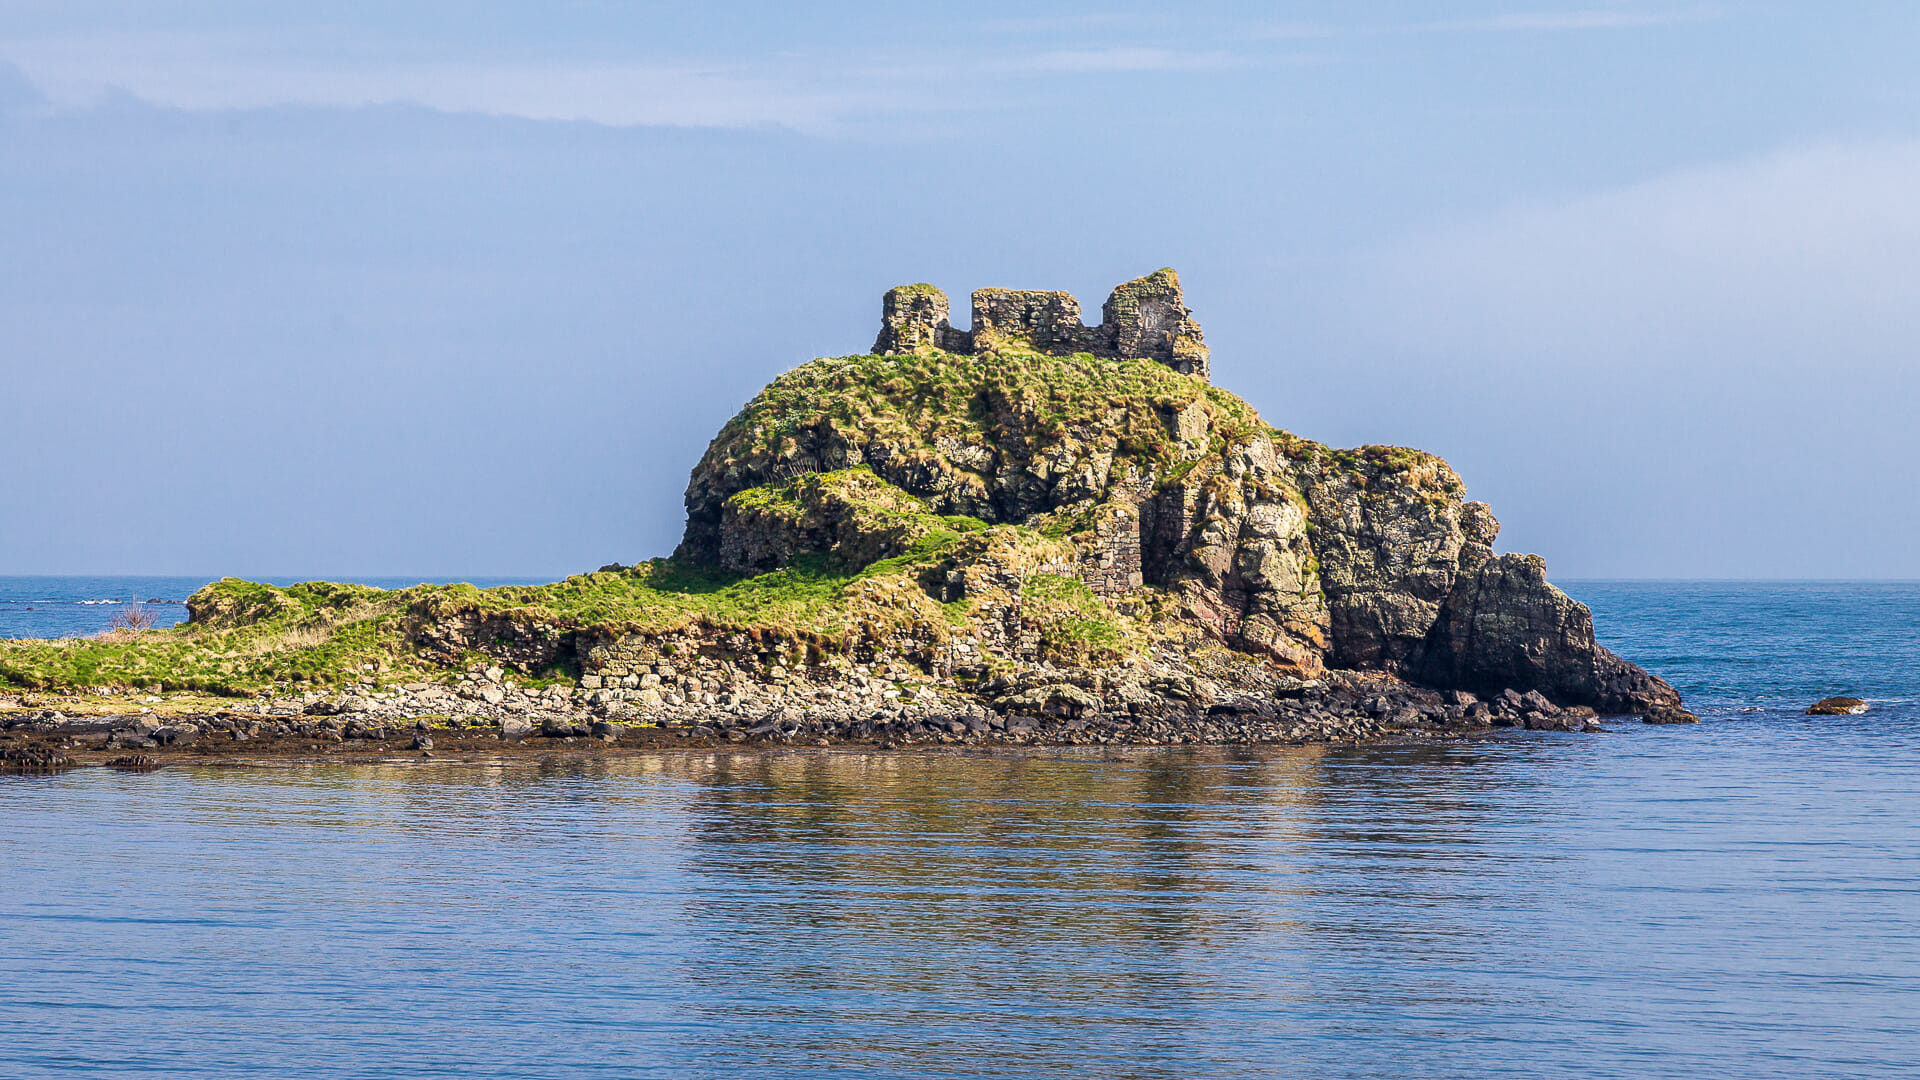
(298, 643)
(1010, 399)
(856, 512)
(1075, 626)
(927, 411)
(251, 637)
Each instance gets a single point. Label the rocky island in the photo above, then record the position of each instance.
(1029, 531)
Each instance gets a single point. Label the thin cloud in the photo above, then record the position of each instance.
(806, 93)
(1512, 22)
(1292, 31)
(204, 74)
(1574, 20)
(1736, 341)
(1816, 244)
(1124, 59)
(1091, 21)
(16, 90)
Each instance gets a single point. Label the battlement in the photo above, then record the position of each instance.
(1145, 318)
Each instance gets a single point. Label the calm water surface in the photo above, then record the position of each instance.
(1732, 900)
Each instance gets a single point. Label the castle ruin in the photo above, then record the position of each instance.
(1144, 319)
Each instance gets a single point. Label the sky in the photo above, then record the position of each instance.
(463, 289)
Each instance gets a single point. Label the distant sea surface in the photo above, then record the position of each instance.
(1735, 899)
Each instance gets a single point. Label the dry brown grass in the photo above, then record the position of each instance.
(309, 635)
(290, 640)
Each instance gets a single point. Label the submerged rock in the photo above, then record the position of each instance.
(33, 759)
(1837, 706)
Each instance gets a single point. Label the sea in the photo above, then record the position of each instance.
(1735, 899)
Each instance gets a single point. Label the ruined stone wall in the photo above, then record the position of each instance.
(1110, 563)
(1047, 321)
(1146, 318)
(912, 319)
(634, 664)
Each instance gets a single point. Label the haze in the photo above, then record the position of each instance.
(464, 289)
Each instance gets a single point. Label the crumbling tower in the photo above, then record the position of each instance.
(1144, 319)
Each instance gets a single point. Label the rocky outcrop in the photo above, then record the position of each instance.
(853, 518)
(450, 631)
(1174, 492)
(1504, 625)
(1230, 539)
(1837, 706)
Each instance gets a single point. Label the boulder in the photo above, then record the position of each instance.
(176, 734)
(1062, 700)
(1837, 706)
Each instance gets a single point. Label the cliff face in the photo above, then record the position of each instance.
(1174, 494)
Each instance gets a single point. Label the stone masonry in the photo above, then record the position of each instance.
(1146, 318)
(1110, 563)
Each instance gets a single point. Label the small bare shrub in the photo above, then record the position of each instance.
(136, 616)
(129, 622)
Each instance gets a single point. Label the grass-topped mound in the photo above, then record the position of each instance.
(1014, 400)
(245, 638)
(1004, 436)
(956, 429)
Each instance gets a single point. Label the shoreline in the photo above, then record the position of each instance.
(522, 754)
(45, 733)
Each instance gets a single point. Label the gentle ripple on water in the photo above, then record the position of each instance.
(1733, 900)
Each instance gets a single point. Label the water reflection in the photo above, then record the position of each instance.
(1066, 911)
(1383, 911)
